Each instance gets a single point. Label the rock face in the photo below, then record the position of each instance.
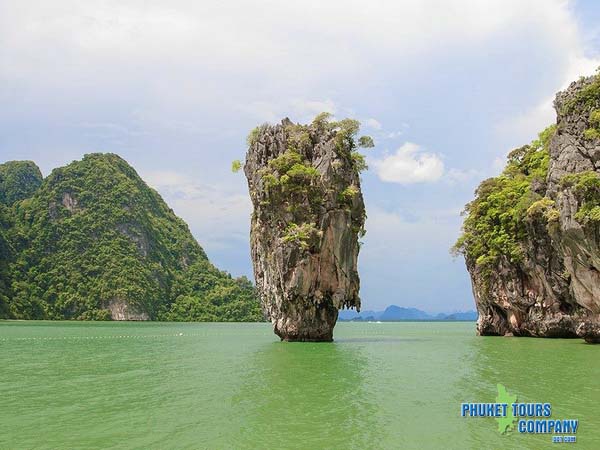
(121, 310)
(553, 289)
(308, 215)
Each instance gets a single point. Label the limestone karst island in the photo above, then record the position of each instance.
(299, 225)
(531, 237)
(308, 216)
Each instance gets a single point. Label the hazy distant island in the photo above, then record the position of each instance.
(395, 313)
(531, 237)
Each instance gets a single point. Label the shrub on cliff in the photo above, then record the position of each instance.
(18, 180)
(290, 181)
(6, 256)
(586, 186)
(495, 221)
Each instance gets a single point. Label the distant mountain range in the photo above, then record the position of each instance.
(395, 313)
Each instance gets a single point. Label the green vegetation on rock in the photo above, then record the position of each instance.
(18, 180)
(366, 142)
(593, 132)
(253, 136)
(586, 186)
(291, 182)
(359, 161)
(6, 257)
(204, 293)
(94, 238)
(587, 102)
(495, 223)
(304, 235)
(546, 208)
(348, 194)
(586, 98)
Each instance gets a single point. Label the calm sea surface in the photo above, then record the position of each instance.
(228, 386)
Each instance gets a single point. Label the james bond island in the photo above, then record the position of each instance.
(531, 237)
(308, 217)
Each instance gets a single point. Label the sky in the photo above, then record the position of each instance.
(445, 87)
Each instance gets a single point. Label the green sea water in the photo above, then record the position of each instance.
(233, 386)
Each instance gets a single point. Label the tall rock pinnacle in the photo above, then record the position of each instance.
(308, 216)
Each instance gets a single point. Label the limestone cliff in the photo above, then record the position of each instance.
(531, 238)
(308, 215)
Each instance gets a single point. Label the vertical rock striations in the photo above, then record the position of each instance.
(531, 238)
(308, 215)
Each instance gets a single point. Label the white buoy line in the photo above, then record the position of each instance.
(115, 336)
(120, 336)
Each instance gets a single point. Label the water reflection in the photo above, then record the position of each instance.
(305, 395)
(375, 340)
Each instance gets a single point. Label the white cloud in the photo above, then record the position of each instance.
(394, 134)
(459, 176)
(230, 34)
(108, 130)
(389, 233)
(218, 216)
(524, 126)
(373, 123)
(409, 165)
(189, 51)
(177, 66)
(498, 164)
(298, 110)
(308, 109)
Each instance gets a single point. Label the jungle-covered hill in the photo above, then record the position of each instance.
(93, 241)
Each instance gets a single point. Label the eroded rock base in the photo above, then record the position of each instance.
(314, 325)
